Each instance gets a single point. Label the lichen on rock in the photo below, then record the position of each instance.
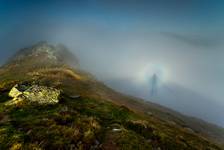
(33, 94)
(15, 92)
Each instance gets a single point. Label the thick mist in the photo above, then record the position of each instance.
(125, 44)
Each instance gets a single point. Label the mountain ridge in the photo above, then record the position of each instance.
(139, 123)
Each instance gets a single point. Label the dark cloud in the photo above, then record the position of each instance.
(195, 40)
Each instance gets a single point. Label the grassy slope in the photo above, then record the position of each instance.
(84, 122)
(205, 129)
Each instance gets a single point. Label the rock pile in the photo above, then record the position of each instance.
(33, 94)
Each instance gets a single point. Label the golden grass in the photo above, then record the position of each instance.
(58, 72)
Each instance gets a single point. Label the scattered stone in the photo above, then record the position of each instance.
(96, 145)
(75, 96)
(29, 132)
(142, 123)
(116, 130)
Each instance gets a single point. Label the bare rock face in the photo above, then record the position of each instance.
(33, 94)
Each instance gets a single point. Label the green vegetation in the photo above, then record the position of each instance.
(84, 123)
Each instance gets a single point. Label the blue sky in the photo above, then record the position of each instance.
(200, 17)
(197, 16)
(196, 13)
(126, 41)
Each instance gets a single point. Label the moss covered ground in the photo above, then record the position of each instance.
(84, 123)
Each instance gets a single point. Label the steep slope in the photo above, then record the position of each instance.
(89, 115)
(185, 101)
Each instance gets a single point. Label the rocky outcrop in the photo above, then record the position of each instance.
(33, 94)
(16, 91)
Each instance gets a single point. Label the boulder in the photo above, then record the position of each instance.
(34, 94)
(15, 92)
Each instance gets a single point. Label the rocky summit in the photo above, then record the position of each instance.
(42, 55)
(47, 102)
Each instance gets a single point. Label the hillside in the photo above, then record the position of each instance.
(89, 115)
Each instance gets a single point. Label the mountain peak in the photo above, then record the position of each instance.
(44, 47)
(44, 53)
(36, 77)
